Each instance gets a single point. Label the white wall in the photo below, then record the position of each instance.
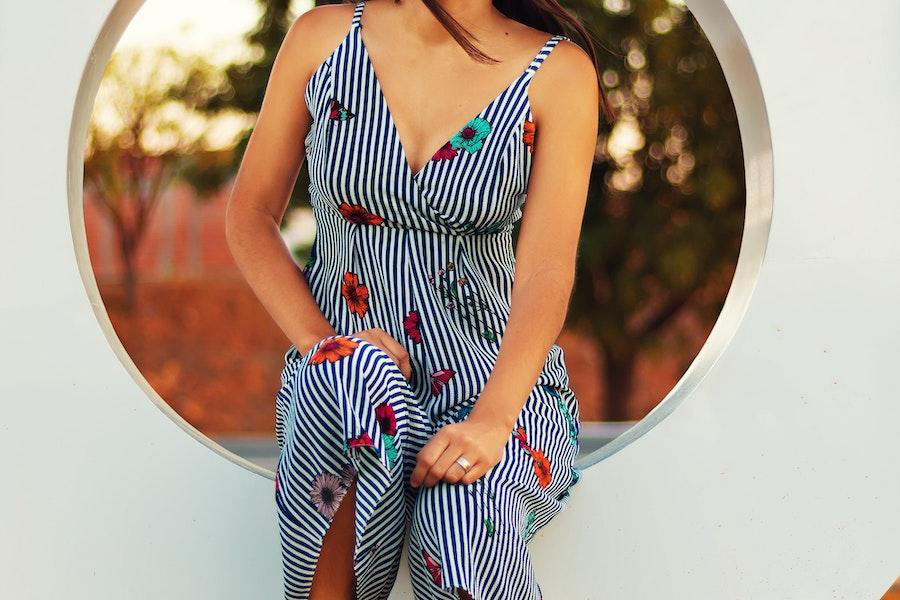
(771, 471)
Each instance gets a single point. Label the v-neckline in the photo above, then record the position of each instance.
(392, 124)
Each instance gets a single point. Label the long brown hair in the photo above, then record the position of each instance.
(545, 15)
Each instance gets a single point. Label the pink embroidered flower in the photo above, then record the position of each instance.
(440, 379)
(327, 493)
(347, 474)
(433, 567)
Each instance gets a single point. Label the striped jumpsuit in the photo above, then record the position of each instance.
(428, 257)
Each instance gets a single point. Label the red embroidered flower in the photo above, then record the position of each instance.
(386, 419)
(411, 326)
(333, 349)
(359, 215)
(363, 439)
(355, 293)
(339, 112)
(520, 435)
(445, 152)
(433, 567)
(440, 379)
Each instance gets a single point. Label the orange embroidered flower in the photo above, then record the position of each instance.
(359, 215)
(541, 468)
(333, 349)
(355, 293)
(528, 135)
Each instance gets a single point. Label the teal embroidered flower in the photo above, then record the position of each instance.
(573, 427)
(463, 412)
(489, 525)
(576, 475)
(471, 136)
(528, 528)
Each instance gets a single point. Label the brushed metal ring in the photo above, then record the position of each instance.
(463, 462)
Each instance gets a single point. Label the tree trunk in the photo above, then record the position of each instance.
(129, 272)
(619, 388)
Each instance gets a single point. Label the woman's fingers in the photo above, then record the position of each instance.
(391, 347)
(443, 466)
(427, 456)
(398, 352)
(437, 459)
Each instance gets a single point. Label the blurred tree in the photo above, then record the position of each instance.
(247, 80)
(666, 206)
(144, 134)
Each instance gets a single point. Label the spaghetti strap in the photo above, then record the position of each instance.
(357, 13)
(545, 52)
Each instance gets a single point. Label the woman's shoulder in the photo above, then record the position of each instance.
(567, 72)
(315, 33)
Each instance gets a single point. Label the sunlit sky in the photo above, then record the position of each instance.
(213, 28)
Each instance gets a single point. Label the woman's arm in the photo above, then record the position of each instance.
(565, 105)
(268, 173)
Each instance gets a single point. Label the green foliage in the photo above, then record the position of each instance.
(665, 215)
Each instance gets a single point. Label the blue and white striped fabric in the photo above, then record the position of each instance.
(426, 255)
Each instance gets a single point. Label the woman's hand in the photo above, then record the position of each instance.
(390, 346)
(480, 441)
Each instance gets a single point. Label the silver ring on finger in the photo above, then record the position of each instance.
(463, 462)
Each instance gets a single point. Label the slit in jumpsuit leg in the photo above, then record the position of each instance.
(342, 412)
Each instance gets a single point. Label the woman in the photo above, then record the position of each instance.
(399, 409)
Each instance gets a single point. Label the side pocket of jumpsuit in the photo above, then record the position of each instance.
(293, 360)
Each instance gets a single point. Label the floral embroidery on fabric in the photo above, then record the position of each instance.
(333, 349)
(541, 462)
(492, 228)
(347, 474)
(411, 326)
(528, 527)
(355, 293)
(489, 525)
(339, 112)
(387, 420)
(433, 567)
(573, 427)
(359, 215)
(541, 467)
(360, 441)
(463, 412)
(327, 493)
(440, 379)
(445, 152)
(528, 134)
(459, 295)
(470, 138)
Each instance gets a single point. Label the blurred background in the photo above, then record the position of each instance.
(174, 111)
